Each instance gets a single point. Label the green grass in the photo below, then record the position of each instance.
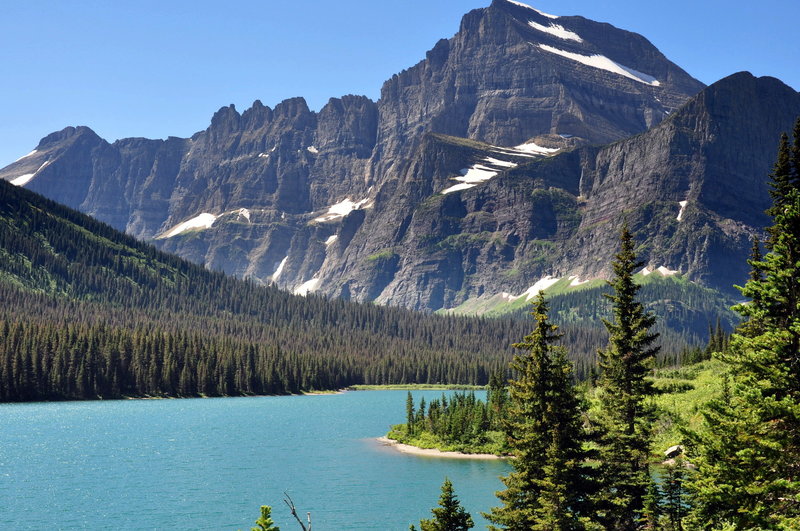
(686, 391)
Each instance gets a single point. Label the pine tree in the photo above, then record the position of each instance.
(265, 523)
(549, 486)
(625, 413)
(748, 456)
(410, 413)
(781, 180)
(795, 156)
(449, 515)
(674, 494)
(652, 507)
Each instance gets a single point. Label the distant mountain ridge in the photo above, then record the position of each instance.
(482, 170)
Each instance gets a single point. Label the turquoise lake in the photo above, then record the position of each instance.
(210, 464)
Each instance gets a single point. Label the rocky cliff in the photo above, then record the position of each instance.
(473, 175)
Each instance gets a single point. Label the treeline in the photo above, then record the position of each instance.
(55, 350)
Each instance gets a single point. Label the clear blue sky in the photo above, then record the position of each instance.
(160, 68)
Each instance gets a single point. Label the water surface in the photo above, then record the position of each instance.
(210, 464)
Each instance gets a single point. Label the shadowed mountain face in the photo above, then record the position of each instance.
(476, 173)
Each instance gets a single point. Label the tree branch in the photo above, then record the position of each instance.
(290, 504)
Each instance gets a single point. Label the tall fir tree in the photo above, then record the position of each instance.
(795, 156)
(410, 413)
(748, 456)
(551, 482)
(449, 515)
(626, 413)
(780, 180)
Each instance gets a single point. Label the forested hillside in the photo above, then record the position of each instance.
(89, 312)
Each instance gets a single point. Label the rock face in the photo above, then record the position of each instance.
(474, 174)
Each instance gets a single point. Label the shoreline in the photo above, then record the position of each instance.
(431, 452)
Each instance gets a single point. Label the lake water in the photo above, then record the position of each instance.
(210, 464)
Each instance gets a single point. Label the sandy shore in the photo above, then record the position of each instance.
(430, 452)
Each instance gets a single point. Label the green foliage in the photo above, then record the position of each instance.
(385, 255)
(410, 413)
(461, 424)
(450, 515)
(550, 484)
(265, 523)
(626, 414)
(748, 454)
(675, 501)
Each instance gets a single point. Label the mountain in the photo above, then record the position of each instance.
(503, 161)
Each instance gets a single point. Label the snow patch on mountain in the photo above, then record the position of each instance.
(502, 163)
(22, 180)
(342, 208)
(330, 240)
(306, 287)
(203, 221)
(532, 8)
(489, 167)
(557, 31)
(473, 176)
(279, 269)
(26, 156)
(576, 281)
(662, 270)
(604, 63)
(244, 213)
(534, 149)
(683, 207)
(667, 272)
(541, 285)
(312, 149)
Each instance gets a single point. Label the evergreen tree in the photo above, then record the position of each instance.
(781, 180)
(795, 156)
(449, 515)
(625, 416)
(410, 413)
(652, 507)
(548, 488)
(674, 494)
(748, 456)
(265, 523)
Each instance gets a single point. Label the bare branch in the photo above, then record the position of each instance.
(290, 504)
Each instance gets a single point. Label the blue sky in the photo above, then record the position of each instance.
(154, 68)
